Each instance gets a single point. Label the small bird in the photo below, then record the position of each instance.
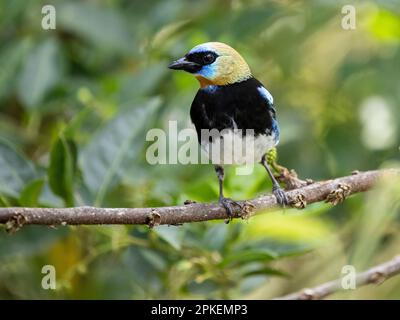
(230, 98)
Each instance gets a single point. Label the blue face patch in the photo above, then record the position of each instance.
(266, 95)
(207, 71)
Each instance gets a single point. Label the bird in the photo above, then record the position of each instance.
(231, 99)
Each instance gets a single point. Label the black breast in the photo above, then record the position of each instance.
(235, 105)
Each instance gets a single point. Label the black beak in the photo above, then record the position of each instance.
(183, 64)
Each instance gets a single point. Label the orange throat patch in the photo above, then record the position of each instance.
(204, 82)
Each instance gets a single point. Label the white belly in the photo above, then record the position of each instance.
(234, 148)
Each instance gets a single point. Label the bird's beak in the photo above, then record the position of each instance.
(183, 64)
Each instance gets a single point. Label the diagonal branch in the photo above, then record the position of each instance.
(375, 275)
(333, 191)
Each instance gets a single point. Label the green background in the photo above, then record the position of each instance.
(75, 106)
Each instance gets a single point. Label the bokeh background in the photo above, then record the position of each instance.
(75, 106)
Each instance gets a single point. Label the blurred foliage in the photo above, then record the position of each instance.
(75, 106)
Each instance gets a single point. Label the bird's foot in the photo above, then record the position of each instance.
(229, 205)
(284, 175)
(280, 196)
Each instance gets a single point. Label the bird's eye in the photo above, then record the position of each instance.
(208, 58)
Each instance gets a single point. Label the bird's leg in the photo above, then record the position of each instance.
(276, 189)
(225, 202)
(284, 175)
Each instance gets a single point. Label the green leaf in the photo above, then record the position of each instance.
(15, 170)
(3, 201)
(216, 236)
(31, 193)
(154, 258)
(266, 271)
(172, 235)
(140, 84)
(61, 171)
(10, 59)
(29, 241)
(40, 73)
(106, 28)
(48, 198)
(76, 123)
(114, 148)
(243, 257)
(168, 31)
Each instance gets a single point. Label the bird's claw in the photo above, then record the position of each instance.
(280, 196)
(228, 204)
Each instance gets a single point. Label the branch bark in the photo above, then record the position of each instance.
(333, 191)
(375, 275)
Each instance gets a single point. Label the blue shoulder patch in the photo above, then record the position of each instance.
(275, 130)
(210, 89)
(266, 95)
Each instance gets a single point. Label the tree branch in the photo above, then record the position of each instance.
(375, 275)
(333, 191)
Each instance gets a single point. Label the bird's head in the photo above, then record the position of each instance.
(214, 63)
